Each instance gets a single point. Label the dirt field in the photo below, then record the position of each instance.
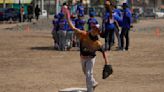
(28, 63)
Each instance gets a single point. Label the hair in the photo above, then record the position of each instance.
(109, 8)
(64, 3)
(81, 1)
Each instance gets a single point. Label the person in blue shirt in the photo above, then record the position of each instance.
(80, 22)
(80, 9)
(69, 35)
(125, 26)
(92, 20)
(118, 17)
(54, 32)
(62, 27)
(109, 23)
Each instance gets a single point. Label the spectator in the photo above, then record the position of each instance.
(22, 13)
(125, 26)
(109, 21)
(80, 9)
(30, 12)
(37, 12)
(92, 20)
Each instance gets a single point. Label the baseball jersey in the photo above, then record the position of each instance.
(127, 18)
(79, 23)
(55, 25)
(109, 23)
(73, 22)
(89, 44)
(63, 25)
(80, 9)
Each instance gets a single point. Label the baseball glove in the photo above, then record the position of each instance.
(107, 71)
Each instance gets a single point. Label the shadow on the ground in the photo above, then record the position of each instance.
(52, 48)
(42, 48)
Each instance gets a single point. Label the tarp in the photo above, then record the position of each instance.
(15, 1)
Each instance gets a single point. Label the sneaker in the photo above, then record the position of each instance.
(126, 49)
(95, 85)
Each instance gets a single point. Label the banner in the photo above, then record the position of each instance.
(15, 1)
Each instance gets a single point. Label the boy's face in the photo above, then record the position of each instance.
(95, 31)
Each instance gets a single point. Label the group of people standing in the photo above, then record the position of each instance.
(115, 22)
(30, 13)
(63, 35)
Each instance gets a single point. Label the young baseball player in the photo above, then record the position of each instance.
(89, 44)
(62, 22)
(70, 34)
(80, 9)
(92, 20)
(80, 22)
(54, 32)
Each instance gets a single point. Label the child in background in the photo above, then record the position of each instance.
(62, 22)
(80, 8)
(92, 20)
(79, 23)
(70, 34)
(54, 32)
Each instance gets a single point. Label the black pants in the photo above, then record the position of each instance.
(108, 38)
(125, 33)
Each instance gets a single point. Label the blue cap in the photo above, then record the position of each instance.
(61, 15)
(56, 16)
(92, 14)
(125, 5)
(80, 15)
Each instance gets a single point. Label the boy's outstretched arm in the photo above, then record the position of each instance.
(105, 57)
(70, 22)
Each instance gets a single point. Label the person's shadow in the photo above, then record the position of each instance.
(52, 48)
(42, 48)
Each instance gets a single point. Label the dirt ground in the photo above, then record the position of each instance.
(28, 62)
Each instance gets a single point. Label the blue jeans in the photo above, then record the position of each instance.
(108, 38)
(125, 33)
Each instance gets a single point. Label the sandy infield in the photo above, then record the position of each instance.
(28, 63)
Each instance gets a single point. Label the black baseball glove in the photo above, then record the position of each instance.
(107, 71)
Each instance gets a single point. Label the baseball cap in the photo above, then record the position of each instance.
(124, 5)
(96, 26)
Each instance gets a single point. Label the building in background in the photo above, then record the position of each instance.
(15, 4)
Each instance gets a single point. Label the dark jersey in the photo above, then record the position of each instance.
(89, 45)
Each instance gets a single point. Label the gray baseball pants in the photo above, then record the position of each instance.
(87, 67)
